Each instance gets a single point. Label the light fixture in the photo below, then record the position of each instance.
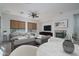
(34, 14)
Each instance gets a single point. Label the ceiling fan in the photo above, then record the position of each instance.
(34, 14)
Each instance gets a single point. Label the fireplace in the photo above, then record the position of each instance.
(60, 33)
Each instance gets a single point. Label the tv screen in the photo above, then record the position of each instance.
(47, 28)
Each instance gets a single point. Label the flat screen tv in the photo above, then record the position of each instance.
(47, 28)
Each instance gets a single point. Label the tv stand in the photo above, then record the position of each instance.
(45, 33)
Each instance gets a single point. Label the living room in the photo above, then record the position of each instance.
(55, 20)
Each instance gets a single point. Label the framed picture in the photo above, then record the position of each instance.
(61, 24)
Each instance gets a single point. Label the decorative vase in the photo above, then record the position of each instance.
(68, 46)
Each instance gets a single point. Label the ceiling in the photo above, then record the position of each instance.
(42, 8)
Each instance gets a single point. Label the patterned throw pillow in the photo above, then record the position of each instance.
(68, 46)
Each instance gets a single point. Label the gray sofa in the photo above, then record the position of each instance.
(20, 38)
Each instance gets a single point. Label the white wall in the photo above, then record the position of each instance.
(65, 15)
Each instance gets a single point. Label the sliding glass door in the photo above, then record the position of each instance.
(76, 27)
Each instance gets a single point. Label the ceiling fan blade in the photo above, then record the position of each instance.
(33, 14)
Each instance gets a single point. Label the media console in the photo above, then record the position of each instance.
(46, 33)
